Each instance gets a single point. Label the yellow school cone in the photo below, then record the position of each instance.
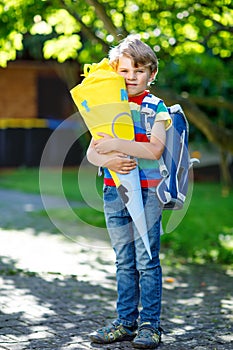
(102, 101)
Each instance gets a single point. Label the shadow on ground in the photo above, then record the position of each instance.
(51, 311)
(54, 292)
(54, 311)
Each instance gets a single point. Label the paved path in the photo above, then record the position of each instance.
(56, 288)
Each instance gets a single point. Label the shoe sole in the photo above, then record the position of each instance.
(104, 341)
(145, 346)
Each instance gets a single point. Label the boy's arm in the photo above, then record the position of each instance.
(146, 150)
(114, 161)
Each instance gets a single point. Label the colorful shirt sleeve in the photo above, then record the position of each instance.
(162, 114)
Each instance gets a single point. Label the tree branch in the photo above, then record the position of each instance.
(217, 134)
(85, 30)
(108, 23)
(218, 102)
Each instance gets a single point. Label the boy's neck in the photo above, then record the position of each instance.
(138, 99)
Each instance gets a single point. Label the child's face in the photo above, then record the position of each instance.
(136, 78)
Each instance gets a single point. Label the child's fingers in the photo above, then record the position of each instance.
(103, 134)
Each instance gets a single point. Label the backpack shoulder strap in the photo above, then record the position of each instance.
(148, 111)
(151, 99)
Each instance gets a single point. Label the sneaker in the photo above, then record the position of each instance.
(147, 337)
(112, 333)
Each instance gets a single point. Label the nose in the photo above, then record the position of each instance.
(131, 75)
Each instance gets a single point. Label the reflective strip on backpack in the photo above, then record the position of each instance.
(182, 141)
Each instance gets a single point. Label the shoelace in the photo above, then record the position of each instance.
(146, 332)
(111, 329)
(108, 329)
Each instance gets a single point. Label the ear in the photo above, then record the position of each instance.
(152, 76)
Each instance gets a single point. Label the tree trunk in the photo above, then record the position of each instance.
(225, 173)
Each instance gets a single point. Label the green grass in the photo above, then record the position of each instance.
(87, 215)
(26, 180)
(204, 234)
(51, 182)
(206, 231)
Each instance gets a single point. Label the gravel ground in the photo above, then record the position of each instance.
(56, 290)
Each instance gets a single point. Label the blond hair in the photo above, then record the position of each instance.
(135, 49)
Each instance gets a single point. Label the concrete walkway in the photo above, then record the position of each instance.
(59, 285)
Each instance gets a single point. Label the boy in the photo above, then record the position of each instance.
(139, 279)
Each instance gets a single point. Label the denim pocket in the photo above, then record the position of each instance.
(152, 195)
(109, 193)
(112, 200)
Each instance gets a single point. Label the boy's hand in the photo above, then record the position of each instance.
(105, 144)
(121, 164)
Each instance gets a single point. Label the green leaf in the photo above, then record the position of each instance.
(62, 48)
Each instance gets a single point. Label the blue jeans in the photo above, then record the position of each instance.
(139, 279)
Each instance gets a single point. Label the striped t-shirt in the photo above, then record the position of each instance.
(145, 110)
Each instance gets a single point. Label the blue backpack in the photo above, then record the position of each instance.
(175, 162)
